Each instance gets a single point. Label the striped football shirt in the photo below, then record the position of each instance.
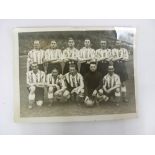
(74, 81)
(33, 78)
(35, 56)
(59, 80)
(86, 53)
(70, 53)
(53, 54)
(111, 80)
(102, 54)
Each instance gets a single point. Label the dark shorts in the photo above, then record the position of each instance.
(120, 69)
(103, 67)
(66, 67)
(112, 94)
(51, 66)
(39, 93)
(84, 69)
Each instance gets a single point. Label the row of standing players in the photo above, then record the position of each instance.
(53, 58)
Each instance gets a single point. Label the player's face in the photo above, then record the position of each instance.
(71, 43)
(118, 44)
(87, 43)
(53, 44)
(55, 72)
(36, 45)
(103, 44)
(72, 70)
(110, 71)
(35, 69)
(93, 67)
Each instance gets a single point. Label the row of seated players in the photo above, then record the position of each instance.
(90, 89)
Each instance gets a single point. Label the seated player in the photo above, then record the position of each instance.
(70, 55)
(86, 55)
(56, 86)
(35, 85)
(93, 82)
(53, 58)
(36, 55)
(75, 85)
(111, 87)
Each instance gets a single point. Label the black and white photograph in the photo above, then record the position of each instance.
(74, 73)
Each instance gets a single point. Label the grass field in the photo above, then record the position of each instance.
(72, 109)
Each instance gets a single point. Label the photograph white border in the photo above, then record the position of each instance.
(17, 117)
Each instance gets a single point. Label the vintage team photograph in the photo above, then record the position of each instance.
(74, 73)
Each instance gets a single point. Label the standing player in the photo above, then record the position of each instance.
(70, 55)
(35, 85)
(36, 55)
(93, 82)
(75, 84)
(102, 57)
(86, 55)
(53, 58)
(56, 86)
(120, 57)
(111, 87)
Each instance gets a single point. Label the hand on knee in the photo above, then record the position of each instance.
(100, 92)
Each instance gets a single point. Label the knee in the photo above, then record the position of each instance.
(32, 89)
(39, 103)
(66, 94)
(100, 92)
(50, 90)
(117, 90)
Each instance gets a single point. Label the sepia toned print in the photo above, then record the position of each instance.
(74, 74)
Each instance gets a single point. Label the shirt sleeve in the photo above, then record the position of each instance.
(43, 77)
(81, 81)
(126, 55)
(63, 84)
(65, 54)
(93, 54)
(28, 78)
(60, 54)
(117, 80)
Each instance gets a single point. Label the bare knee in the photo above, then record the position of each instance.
(66, 94)
(50, 90)
(32, 89)
(100, 92)
(117, 90)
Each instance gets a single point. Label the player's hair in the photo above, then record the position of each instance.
(103, 40)
(87, 39)
(34, 64)
(36, 41)
(70, 39)
(93, 62)
(53, 40)
(72, 65)
(112, 67)
(55, 69)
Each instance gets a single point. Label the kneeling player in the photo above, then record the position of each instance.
(35, 82)
(56, 86)
(111, 87)
(93, 82)
(75, 85)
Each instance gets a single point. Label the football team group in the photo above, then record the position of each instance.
(86, 76)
